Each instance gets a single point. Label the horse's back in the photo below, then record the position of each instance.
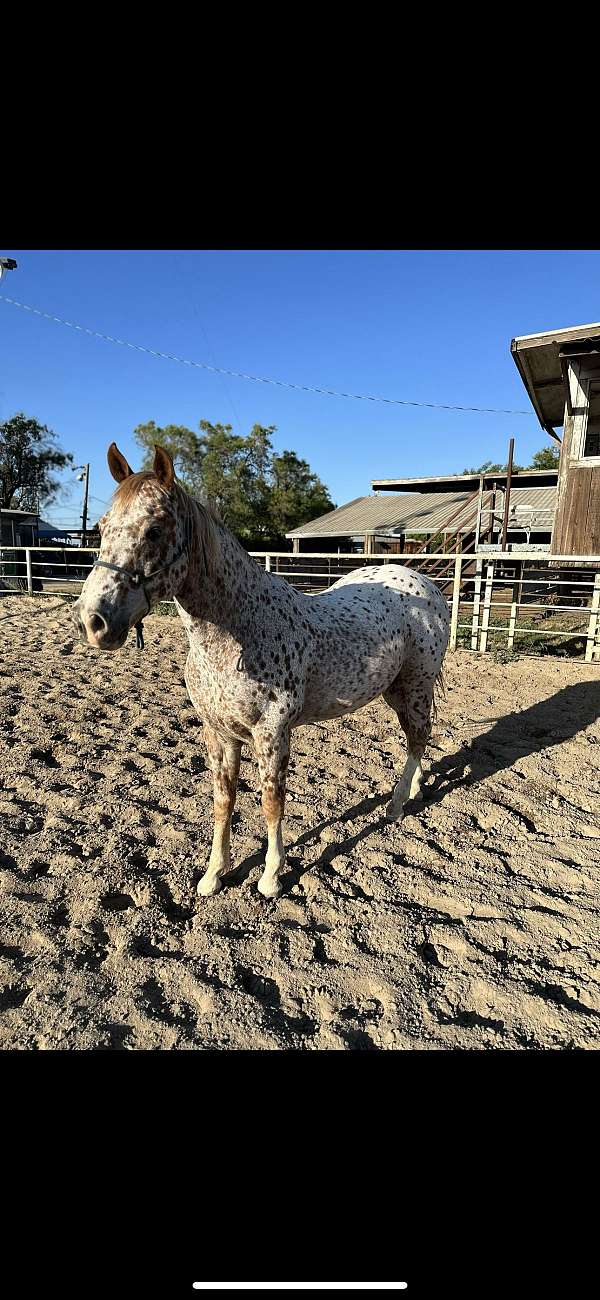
(399, 593)
(396, 577)
(398, 597)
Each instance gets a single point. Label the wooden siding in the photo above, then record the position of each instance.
(577, 520)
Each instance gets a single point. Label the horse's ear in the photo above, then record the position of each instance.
(117, 464)
(163, 467)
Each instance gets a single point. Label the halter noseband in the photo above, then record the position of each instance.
(138, 578)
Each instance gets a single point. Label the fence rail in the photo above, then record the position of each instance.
(487, 594)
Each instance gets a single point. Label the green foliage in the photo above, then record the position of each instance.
(181, 443)
(545, 458)
(501, 655)
(259, 494)
(235, 475)
(29, 459)
(489, 467)
(297, 495)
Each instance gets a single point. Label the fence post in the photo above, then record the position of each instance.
(455, 601)
(593, 623)
(476, 603)
(511, 626)
(29, 579)
(267, 563)
(485, 618)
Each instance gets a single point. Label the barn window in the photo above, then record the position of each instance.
(591, 441)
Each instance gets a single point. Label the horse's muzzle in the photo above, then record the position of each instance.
(93, 628)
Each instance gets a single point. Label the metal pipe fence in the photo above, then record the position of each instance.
(476, 587)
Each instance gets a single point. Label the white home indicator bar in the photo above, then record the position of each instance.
(300, 1286)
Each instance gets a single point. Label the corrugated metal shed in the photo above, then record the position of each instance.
(374, 514)
(416, 513)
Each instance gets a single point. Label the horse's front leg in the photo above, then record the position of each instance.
(224, 759)
(273, 752)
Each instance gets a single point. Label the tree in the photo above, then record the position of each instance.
(546, 458)
(29, 459)
(486, 468)
(489, 468)
(183, 445)
(235, 475)
(297, 495)
(259, 494)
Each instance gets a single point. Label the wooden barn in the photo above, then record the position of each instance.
(561, 372)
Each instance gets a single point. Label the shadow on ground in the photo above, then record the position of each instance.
(512, 737)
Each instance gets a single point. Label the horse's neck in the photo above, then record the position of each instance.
(227, 595)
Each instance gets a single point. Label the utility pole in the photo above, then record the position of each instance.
(6, 264)
(83, 477)
(85, 504)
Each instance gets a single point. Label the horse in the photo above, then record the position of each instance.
(263, 657)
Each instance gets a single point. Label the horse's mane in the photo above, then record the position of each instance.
(205, 535)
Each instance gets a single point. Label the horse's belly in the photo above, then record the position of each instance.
(347, 683)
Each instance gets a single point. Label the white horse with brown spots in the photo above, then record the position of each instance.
(263, 658)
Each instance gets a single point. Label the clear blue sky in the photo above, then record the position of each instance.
(430, 326)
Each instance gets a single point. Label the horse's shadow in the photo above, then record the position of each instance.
(516, 735)
(513, 736)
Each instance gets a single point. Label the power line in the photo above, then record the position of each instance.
(257, 379)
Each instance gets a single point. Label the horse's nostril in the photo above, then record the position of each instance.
(97, 623)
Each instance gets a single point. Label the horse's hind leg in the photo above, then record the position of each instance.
(273, 752)
(224, 759)
(411, 697)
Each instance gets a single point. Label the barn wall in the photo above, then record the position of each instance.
(576, 528)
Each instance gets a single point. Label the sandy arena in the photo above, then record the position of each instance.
(471, 924)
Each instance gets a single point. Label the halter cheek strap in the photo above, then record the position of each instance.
(138, 578)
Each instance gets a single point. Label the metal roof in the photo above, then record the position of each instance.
(468, 482)
(538, 360)
(532, 498)
(416, 513)
(21, 514)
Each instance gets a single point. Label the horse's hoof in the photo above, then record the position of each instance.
(393, 813)
(206, 888)
(269, 889)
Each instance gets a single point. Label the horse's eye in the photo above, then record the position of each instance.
(153, 534)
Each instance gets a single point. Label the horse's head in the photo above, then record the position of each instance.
(144, 552)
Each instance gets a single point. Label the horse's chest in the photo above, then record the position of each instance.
(222, 695)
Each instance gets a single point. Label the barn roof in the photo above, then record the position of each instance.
(542, 367)
(466, 482)
(415, 513)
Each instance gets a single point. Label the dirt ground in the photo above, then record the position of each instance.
(472, 924)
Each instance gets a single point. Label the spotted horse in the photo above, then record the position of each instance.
(263, 658)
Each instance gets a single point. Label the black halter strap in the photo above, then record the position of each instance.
(138, 578)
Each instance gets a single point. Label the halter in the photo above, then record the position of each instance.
(138, 578)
